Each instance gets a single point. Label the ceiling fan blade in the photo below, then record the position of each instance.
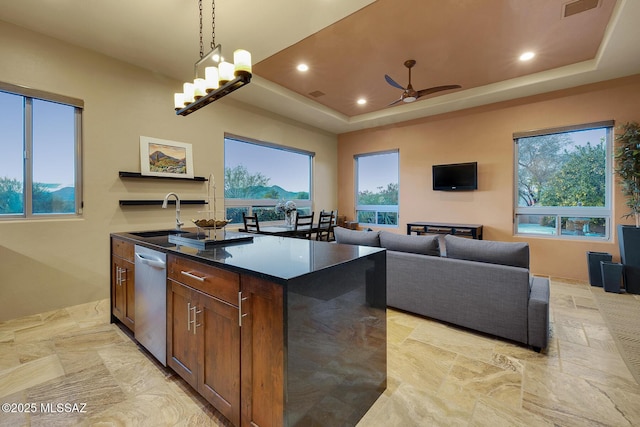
(392, 82)
(431, 90)
(395, 102)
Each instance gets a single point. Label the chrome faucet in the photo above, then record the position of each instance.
(166, 202)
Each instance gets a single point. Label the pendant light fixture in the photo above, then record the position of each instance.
(214, 77)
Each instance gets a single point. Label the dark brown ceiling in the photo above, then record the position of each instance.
(467, 42)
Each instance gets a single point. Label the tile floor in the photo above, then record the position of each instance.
(437, 375)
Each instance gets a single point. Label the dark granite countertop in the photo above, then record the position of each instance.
(277, 258)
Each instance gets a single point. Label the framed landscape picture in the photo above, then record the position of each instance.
(161, 157)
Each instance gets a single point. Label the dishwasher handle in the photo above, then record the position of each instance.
(151, 261)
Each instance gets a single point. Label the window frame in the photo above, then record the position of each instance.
(560, 212)
(376, 209)
(29, 95)
(269, 203)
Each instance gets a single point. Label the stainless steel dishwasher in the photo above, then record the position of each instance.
(151, 301)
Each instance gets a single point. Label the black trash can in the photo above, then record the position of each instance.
(593, 262)
(612, 276)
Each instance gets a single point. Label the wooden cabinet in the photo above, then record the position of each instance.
(203, 331)
(262, 353)
(123, 282)
(213, 317)
(473, 231)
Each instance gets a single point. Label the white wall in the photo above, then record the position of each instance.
(49, 264)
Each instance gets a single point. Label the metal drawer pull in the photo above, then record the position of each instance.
(188, 316)
(121, 275)
(240, 315)
(193, 276)
(195, 322)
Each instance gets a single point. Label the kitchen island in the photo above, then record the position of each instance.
(273, 331)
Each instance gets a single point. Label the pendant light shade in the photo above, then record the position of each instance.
(241, 62)
(226, 72)
(178, 101)
(188, 93)
(199, 88)
(211, 78)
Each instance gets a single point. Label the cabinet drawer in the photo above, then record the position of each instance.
(445, 230)
(214, 281)
(122, 249)
(463, 232)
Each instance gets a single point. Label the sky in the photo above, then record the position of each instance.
(377, 171)
(289, 170)
(53, 141)
(169, 150)
(593, 136)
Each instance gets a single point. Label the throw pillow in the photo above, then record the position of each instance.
(515, 254)
(355, 237)
(425, 245)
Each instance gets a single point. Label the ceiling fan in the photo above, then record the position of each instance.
(410, 94)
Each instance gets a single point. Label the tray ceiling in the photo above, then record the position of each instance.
(350, 45)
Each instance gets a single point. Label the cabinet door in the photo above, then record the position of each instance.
(123, 282)
(123, 291)
(219, 355)
(118, 293)
(262, 347)
(182, 342)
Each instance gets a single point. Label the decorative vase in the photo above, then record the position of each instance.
(288, 218)
(595, 270)
(629, 241)
(612, 276)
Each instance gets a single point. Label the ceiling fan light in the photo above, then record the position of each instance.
(409, 98)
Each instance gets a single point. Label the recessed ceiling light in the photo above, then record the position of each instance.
(361, 101)
(527, 56)
(302, 67)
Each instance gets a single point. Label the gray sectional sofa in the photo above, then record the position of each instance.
(478, 284)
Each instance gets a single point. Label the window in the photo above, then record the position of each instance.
(563, 182)
(259, 175)
(377, 188)
(40, 162)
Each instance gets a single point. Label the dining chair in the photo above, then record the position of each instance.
(251, 224)
(304, 226)
(325, 226)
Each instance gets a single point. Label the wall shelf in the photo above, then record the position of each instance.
(159, 202)
(124, 174)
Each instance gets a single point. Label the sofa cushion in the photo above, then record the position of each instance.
(355, 237)
(515, 254)
(425, 245)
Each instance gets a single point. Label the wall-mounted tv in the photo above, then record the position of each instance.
(456, 177)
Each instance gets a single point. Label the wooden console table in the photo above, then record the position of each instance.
(462, 230)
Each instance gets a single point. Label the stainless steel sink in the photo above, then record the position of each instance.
(158, 233)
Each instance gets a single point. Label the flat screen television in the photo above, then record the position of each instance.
(455, 177)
